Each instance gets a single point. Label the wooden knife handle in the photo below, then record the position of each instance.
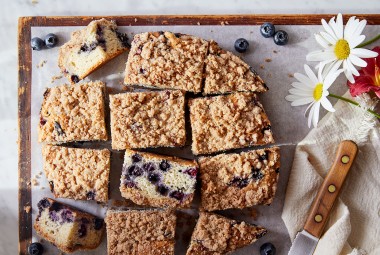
(331, 186)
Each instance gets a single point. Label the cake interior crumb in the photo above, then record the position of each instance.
(290, 75)
(268, 60)
(27, 208)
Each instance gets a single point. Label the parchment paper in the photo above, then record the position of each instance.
(275, 64)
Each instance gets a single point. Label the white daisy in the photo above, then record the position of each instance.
(339, 46)
(312, 90)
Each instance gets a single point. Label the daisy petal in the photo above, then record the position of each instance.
(322, 41)
(349, 29)
(352, 68)
(334, 27)
(291, 98)
(327, 105)
(328, 29)
(364, 53)
(316, 114)
(349, 76)
(299, 92)
(301, 86)
(311, 112)
(302, 101)
(311, 74)
(320, 55)
(339, 26)
(357, 61)
(328, 37)
(360, 27)
(355, 41)
(304, 79)
(330, 78)
(310, 105)
(333, 67)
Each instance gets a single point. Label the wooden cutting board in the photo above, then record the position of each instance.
(25, 74)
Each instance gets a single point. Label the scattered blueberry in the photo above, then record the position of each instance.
(136, 158)
(149, 167)
(82, 231)
(51, 185)
(98, 223)
(67, 216)
(241, 45)
(267, 30)
(37, 43)
(53, 215)
(74, 78)
(281, 37)
(267, 249)
(153, 177)
(130, 184)
(35, 249)
(162, 189)
(268, 127)
(42, 121)
(192, 172)
(134, 170)
(264, 156)
(51, 40)
(123, 39)
(277, 170)
(177, 195)
(44, 203)
(257, 174)
(58, 128)
(239, 182)
(90, 195)
(164, 165)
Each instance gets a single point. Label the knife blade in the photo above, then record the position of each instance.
(307, 240)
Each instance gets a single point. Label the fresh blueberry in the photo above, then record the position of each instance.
(154, 177)
(98, 223)
(267, 249)
(162, 189)
(44, 203)
(281, 37)
(67, 216)
(35, 249)
(264, 156)
(53, 216)
(241, 45)
(136, 158)
(267, 30)
(239, 182)
(164, 165)
(134, 170)
(51, 40)
(256, 174)
(90, 195)
(177, 195)
(149, 167)
(129, 184)
(37, 43)
(74, 78)
(82, 231)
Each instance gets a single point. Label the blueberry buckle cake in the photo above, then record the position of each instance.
(77, 173)
(67, 228)
(226, 72)
(148, 119)
(159, 181)
(166, 60)
(73, 113)
(147, 232)
(239, 180)
(218, 235)
(227, 122)
(90, 48)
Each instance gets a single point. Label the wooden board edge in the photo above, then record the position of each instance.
(24, 141)
(165, 20)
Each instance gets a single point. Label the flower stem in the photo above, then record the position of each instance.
(369, 41)
(354, 103)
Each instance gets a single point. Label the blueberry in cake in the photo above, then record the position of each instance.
(166, 60)
(90, 48)
(226, 72)
(218, 235)
(239, 180)
(76, 173)
(68, 228)
(148, 119)
(156, 180)
(73, 113)
(228, 122)
(145, 232)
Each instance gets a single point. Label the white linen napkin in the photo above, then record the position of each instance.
(354, 225)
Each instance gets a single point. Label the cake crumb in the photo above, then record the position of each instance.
(28, 183)
(222, 23)
(42, 188)
(55, 77)
(125, 88)
(226, 22)
(268, 60)
(35, 182)
(290, 75)
(135, 20)
(41, 64)
(198, 23)
(275, 51)
(34, 1)
(262, 67)
(27, 208)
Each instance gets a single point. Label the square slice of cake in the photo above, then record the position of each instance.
(81, 174)
(156, 180)
(90, 48)
(228, 122)
(73, 113)
(218, 235)
(226, 72)
(148, 119)
(148, 232)
(68, 228)
(239, 180)
(166, 60)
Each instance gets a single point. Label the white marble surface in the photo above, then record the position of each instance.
(11, 10)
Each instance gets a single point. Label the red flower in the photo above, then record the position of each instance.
(369, 78)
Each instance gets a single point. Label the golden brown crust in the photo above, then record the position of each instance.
(239, 180)
(228, 122)
(149, 232)
(217, 235)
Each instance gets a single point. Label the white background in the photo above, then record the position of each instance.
(11, 10)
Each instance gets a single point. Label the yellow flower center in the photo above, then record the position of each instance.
(342, 49)
(317, 94)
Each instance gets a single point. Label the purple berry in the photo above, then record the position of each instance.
(264, 156)
(98, 223)
(53, 216)
(67, 216)
(130, 184)
(134, 170)
(257, 174)
(154, 177)
(192, 172)
(164, 165)
(162, 189)
(267, 249)
(51, 40)
(177, 195)
(239, 182)
(74, 78)
(136, 158)
(35, 249)
(90, 195)
(44, 203)
(37, 43)
(82, 231)
(149, 167)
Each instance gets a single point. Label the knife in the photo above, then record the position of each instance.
(306, 240)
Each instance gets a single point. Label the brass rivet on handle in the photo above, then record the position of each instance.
(345, 159)
(331, 188)
(318, 218)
